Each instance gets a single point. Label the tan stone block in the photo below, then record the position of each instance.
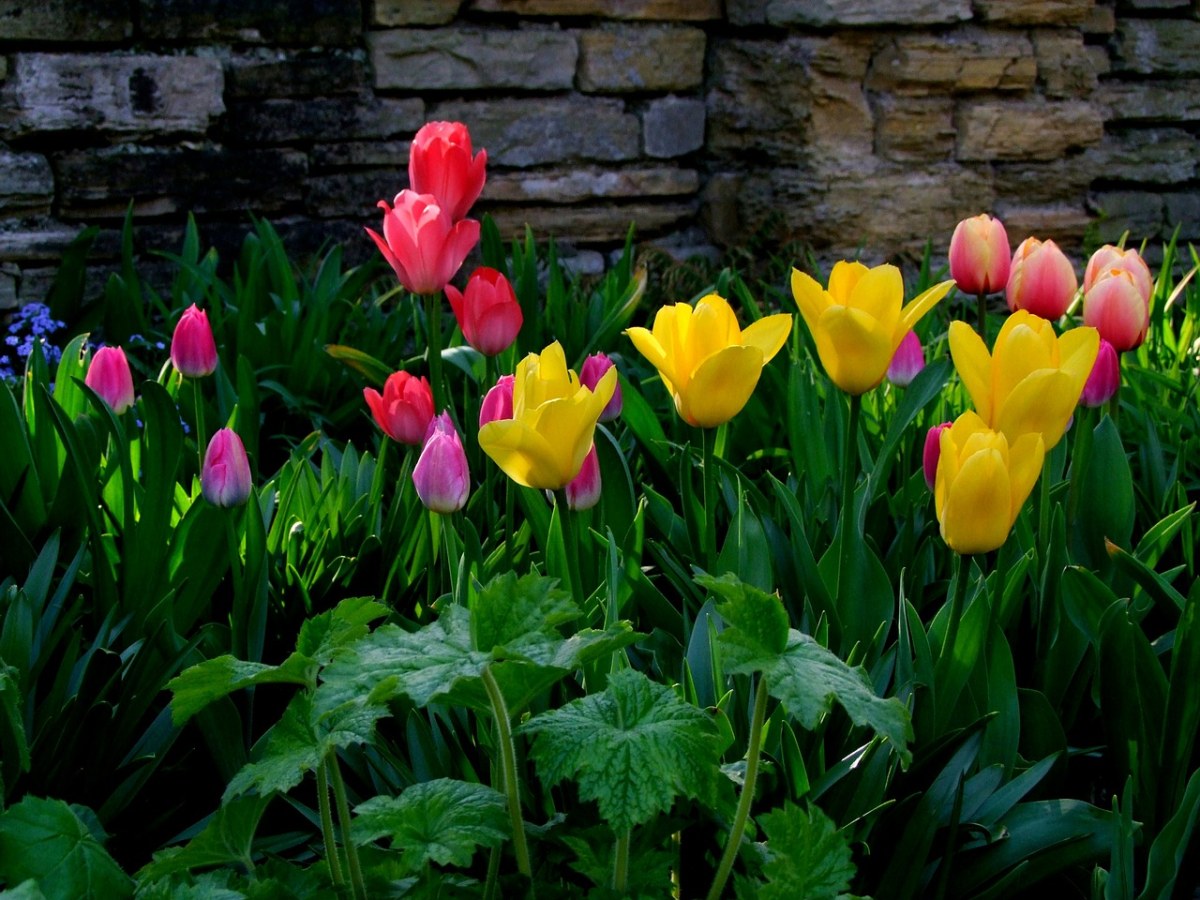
(1035, 12)
(969, 59)
(841, 120)
(1066, 224)
(472, 58)
(390, 13)
(1043, 183)
(915, 129)
(823, 13)
(645, 58)
(1101, 19)
(591, 224)
(1025, 130)
(577, 185)
(650, 10)
(1065, 66)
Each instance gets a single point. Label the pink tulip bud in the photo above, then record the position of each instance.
(590, 373)
(193, 351)
(225, 475)
(1116, 307)
(109, 376)
(405, 409)
(440, 475)
(1108, 258)
(907, 362)
(1041, 279)
(583, 491)
(498, 402)
(440, 163)
(933, 451)
(1105, 378)
(488, 313)
(979, 255)
(422, 244)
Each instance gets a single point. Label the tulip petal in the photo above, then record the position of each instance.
(843, 279)
(1041, 404)
(768, 334)
(879, 292)
(916, 308)
(521, 453)
(1025, 458)
(398, 267)
(721, 386)
(974, 365)
(1025, 351)
(810, 298)
(568, 424)
(853, 350)
(976, 516)
(713, 327)
(647, 344)
(1077, 350)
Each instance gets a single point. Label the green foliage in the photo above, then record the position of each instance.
(806, 856)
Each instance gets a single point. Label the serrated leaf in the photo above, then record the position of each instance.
(226, 838)
(511, 611)
(807, 678)
(758, 621)
(806, 856)
(324, 633)
(45, 840)
(209, 886)
(633, 749)
(200, 685)
(441, 821)
(26, 890)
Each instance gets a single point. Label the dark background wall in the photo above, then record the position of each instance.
(837, 123)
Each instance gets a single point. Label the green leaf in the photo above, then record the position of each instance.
(202, 684)
(518, 611)
(227, 838)
(440, 821)
(1169, 848)
(26, 890)
(12, 723)
(46, 840)
(758, 622)
(372, 369)
(323, 634)
(806, 855)
(633, 749)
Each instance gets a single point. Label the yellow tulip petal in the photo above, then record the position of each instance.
(521, 453)
(976, 516)
(568, 426)
(974, 365)
(1041, 404)
(605, 388)
(647, 345)
(721, 386)
(1077, 350)
(916, 308)
(852, 349)
(843, 279)
(880, 294)
(1025, 458)
(1023, 353)
(810, 298)
(768, 334)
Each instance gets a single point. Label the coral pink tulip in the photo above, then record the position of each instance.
(487, 312)
(498, 402)
(907, 362)
(979, 255)
(225, 475)
(1041, 279)
(421, 243)
(109, 376)
(405, 408)
(1105, 378)
(590, 373)
(583, 491)
(1116, 307)
(1108, 258)
(932, 452)
(440, 476)
(193, 351)
(440, 163)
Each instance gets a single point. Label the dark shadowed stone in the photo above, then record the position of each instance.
(354, 194)
(26, 184)
(1158, 47)
(413, 12)
(298, 22)
(575, 185)
(1142, 213)
(673, 126)
(1064, 223)
(322, 118)
(262, 73)
(362, 155)
(1174, 100)
(77, 21)
(641, 58)
(591, 224)
(469, 58)
(652, 10)
(1165, 156)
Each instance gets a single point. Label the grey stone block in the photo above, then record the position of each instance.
(673, 126)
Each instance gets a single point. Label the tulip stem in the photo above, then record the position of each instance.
(708, 440)
(433, 350)
(621, 862)
(200, 445)
(981, 307)
(343, 809)
(849, 471)
(958, 592)
(571, 550)
(508, 762)
(331, 853)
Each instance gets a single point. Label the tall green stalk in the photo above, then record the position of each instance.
(343, 808)
(331, 852)
(958, 594)
(849, 473)
(508, 761)
(621, 862)
(708, 440)
(981, 307)
(201, 443)
(433, 352)
(572, 550)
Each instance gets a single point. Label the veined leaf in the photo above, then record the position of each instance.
(758, 622)
(226, 838)
(510, 610)
(806, 856)
(321, 635)
(213, 679)
(633, 749)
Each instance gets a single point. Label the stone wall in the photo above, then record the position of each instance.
(836, 123)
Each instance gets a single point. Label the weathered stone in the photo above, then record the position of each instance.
(659, 10)
(1159, 47)
(577, 185)
(273, 73)
(362, 155)
(328, 23)
(9, 276)
(166, 180)
(673, 126)
(26, 184)
(1164, 156)
(823, 13)
(470, 58)
(746, 12)
(1183, 209)
(915, 130)
(134, 95)
(1021, 130)
(531, 132)
(46, 240)
(354, 194)
(1176, 100)
(1067, 225)
(390, 13)
(645, 58)
(1156, 4)
(1042, 183)
(1065, 67)
(77, 21)
(591, 224)
(281, 121)
(3, 68)
(1141, 213)
(1034, 12)
(1101, 20)
(968, 59)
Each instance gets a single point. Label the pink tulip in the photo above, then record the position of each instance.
(225, 475)
(193, 351)
(907, 362)
(1116, 307)
(590, 373)
(1102, 384)
(109, 376)
(933, 452)
(583, 491)
(979, 255)
(440, 476)
(1041, 279)
(405, 409)
(421, 243)
(488, 313)
(498, 402)
(440, 163)
(1108, 258)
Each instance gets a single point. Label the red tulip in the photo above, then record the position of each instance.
(1116, 307)
(498, 402)
(488, 313)
(979, 255)
(933, 452)
(109, 376)
(583, 491)
(440, 476)
(421, 243)
(405, 409)
(1108, 258)
(1105, 378)
(193, 351)
(907, 362)
(1041, 279)
(590, 373)
(440, 163)
(225, 475)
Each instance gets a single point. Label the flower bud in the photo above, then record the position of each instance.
(1116, 307)
(109, 376)
(440, 163)
(487, 312)
(440, 476)
(225, 475)
(405, 408)
(907, 362)
(1041, 279)
(979, 255)
(590, 373)
(1102, 384)
(933, 450)
(1108, 258)
(498, 402)
(193, 351)
(583, 491)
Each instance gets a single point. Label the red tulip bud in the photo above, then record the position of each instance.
(488, 312)
(405, 408)
(1116, 307)
(1041, 279)
(590, 373)
(225, 475)
(498, 402)
(907, 362)
(109, 376)
(583, 491)
(193, 351)
(1105, 378)
(979, 255)
(440, 476)
(933, 452)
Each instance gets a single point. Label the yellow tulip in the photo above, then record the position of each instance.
(982, 483)
(553, 421)
(859, 321)
(706, 361)
(1031, 381)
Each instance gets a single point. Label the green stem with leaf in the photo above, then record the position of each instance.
(433, 352)
(567, 523)
(734, 842)
(331, 852)
(958, 594)
(343, 808)
(201, 444)
(508, 760)
(849, 473)
(708, 439)
(981, 307)
(621, 861)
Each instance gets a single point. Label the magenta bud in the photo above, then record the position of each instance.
(933, 452)
(193, 351)
(225, 476)
(907, 362)
(498, 402)
(590, 373)
(440, 476)
(1104, 379)
(583, 491)
(109, 376)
